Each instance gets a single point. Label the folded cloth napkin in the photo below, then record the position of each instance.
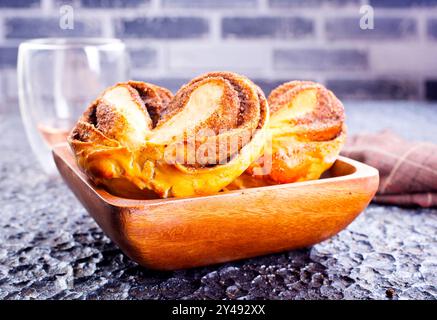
(407, 170)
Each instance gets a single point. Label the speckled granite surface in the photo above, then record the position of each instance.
(51, 249)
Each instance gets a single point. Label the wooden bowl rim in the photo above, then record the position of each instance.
(62, 151)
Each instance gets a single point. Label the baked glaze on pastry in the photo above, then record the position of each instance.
(139, 141)
(307, 128)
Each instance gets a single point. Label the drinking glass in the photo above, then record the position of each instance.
(57, 80)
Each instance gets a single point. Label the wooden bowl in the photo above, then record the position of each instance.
(177, 233)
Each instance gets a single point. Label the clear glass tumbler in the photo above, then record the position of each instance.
(57, 80)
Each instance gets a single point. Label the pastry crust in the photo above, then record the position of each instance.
(139, 141)
(306, 132)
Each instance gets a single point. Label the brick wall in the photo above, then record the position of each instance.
(271, 41)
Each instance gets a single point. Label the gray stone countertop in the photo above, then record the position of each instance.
(51, 249)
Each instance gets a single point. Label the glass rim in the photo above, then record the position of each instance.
(71, 43)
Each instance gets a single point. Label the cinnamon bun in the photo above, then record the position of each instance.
(307, 131)
(138, 140)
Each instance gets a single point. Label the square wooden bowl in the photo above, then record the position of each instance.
(177, 233)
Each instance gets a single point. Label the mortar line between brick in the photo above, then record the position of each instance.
(47, 6)
(215, 24)
(263, 5)
(107, 27)
(2, 29)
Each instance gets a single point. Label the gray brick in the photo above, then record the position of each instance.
(267, 27)
(432, 28)
(311, 3)
(49, 27)
(203, 57)
(384, 28)
(377, 89)
(202, 4)
(19, 3)
(267, 85)
(320, 59)
(143, 57)
(96, 4)
(402, 3)
(8, 57)
(431, 89)
(113, 3)
(163, 27)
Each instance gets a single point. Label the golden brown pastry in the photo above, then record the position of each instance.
(307, 132)
(139, 141)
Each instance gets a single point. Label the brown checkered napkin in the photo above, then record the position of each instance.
(408, 170)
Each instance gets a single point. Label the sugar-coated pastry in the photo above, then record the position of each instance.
(138, 140)
(307, 132)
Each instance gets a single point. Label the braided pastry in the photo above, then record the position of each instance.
(307, 132)
(139, 141)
